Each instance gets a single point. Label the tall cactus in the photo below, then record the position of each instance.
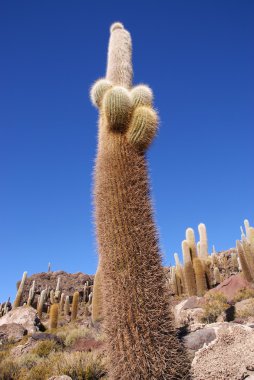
(20, 291)
(244, 265)
(190, 237)
(200, 276)
(140, 336)
(67, 306)
(189, 273)
(203, 241)
(41, 302)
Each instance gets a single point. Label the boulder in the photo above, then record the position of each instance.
(229, 356)
(231, 286)
(23, 315)
(188, 312)
(197, 339)
(11, 333)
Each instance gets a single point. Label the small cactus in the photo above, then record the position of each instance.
(49, 267)
(98, 91)
(97, 304)
(61, 304)
(74, 306)
(52, 296)
(117, 107)
(53, 316)
(31, 294)
(141, 95)
(20, 291)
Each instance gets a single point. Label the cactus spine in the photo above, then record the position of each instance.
(135, 294)
(53, 316)
(74, 306)
(19, 292)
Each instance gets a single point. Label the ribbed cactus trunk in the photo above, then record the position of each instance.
(140, 332)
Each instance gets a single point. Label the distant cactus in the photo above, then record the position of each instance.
(67, 306)
(217, 276)
(190, 237)
(90, 298)
(248, 255)
(74, 306)
(53, 316)
(97, 304)
(41, 303)
(31, 294)
(243, 261)
(61, 304)
(200, 276)
(52, 296)
(234, 261)
(247, 228)
(49, 267)
(203, 241)
(19, 292)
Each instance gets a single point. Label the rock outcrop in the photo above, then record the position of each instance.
(23, 315)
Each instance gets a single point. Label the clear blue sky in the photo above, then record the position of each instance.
(198, 57)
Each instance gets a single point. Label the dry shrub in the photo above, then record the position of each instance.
(215, 305)
(45, 347)
(71, 335)
(9, 369)
(244, 294)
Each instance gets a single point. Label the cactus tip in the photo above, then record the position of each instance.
(116, 25)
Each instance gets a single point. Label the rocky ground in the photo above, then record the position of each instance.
(216, 329)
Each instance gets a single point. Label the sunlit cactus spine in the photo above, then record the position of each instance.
(244, 265)
(217, 276)
(190, 237)
(74, 306)
(67, 306)
(20, 291)
(251, 239)
(41, 303)
(97, 303)
(199, 276)
(53, 316)
(203, 241)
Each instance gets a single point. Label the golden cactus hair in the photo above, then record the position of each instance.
(199, 276)
(244, 265)
(74, 306)
(135, 293)
(248, 254)
(190, 238)
(20, 291)
(53, 316)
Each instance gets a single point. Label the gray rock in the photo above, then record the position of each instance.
(196, 340)
(11, 333)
